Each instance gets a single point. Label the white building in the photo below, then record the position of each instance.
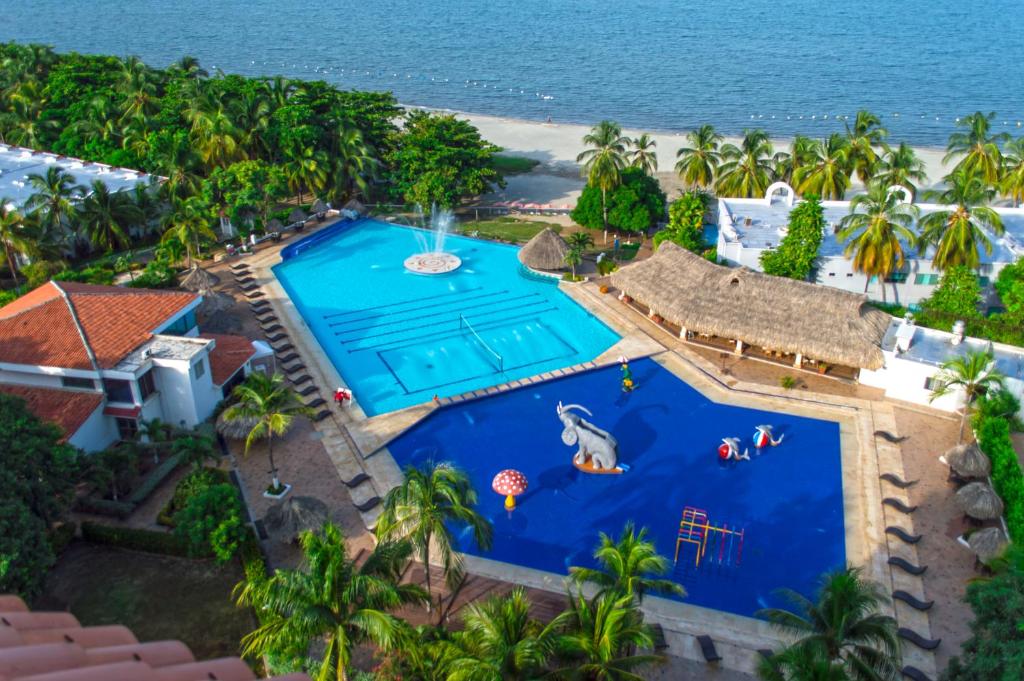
(98, 360)
(914, 356)
(749, 227)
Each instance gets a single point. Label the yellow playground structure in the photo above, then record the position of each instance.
(722, 545)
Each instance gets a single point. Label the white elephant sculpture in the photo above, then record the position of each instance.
(595, 443)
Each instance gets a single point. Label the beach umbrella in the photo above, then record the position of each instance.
(545, 251)
(979, 501)
(356, 207)
(198, 280)
(295, 515)
(318, 208)
(297, 215)
(214, 302)
(510, 483)
(987, 543)
(236, 429)
(968, 461)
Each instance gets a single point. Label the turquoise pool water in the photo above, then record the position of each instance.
(399, 338)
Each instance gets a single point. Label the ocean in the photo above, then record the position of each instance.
(788, 66)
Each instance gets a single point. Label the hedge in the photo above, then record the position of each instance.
(108, 507)
(1007, 479)
(135, 539)
(154, 479)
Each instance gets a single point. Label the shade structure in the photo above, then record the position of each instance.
(297, 215)
(198, 280)
(295, 515)
(318, 207)
(236, 429)
(509, 483)
(545, 251)
(980, 501)
(968, 461)
(987, 543)
(356, 207)
(214, 302)
(274, 225)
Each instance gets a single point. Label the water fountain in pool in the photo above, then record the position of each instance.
(432, 258)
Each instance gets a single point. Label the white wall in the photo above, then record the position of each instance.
(97, 433)
(905, 380)
(174, 383)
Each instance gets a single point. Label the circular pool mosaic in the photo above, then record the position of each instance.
(432, 263)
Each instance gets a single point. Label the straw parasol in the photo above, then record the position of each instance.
(318, 207)
(214, 302)
(274, 225)
(297, 215)
(758, 309)
(987, 543)
(545, 251)
(236, 429)
(968, 461)
(355, 207)
(295, 515)
(979, 501)
(198, 280)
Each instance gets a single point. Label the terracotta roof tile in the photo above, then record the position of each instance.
(228, 356)
(69, 409)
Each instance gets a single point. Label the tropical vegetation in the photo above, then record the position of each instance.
(972, 374)
(874, 232)
(634, 204)
(796, 254)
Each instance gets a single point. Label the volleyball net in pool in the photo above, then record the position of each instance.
(493, 356)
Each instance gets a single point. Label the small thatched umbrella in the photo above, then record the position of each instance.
(987, 543)
(236, 429)
(274, 225)
(297, 215)
(545, 251)
(318, 207)
(198, 280)
(214, 302)
(968, 461)
(980, 501)
(295, 515)
(355, 207)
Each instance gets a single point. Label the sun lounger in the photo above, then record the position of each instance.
(359, 479)
(707, 647)
(914, 674)
(898, 505)
(266, 315)
(294, 369)
(288, 358)
(889, 437)
(249, 287)
(321, 415)
(270, 328)
(240, 266)
(259, 304)
(368, 505)
(317, 402)
(283, 347)
(896, 480)
(299, 379)
(907, 566)
(903, 534)
(276, 337)
(308, 390)
(917, 639)
(253, 296)
(911, 600)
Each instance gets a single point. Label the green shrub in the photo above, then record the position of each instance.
(1007, 478)
(135, 539)
(787, 382)
(513, 165)
(153, 480)
(797, 252)
(958, 293)
(211, 522)
(107, 507)
(999, 403)
(39, 272)
(7, 297)
(606, 266)
(90, 275)
(61, 536)
(157, 274)
(196, 482)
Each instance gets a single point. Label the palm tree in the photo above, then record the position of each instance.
(973, 374)
(1012, 184)
(305, 169)
(15, 235)
(629, 566)
(107, 216)
(501, 642)
(800, 663)
(194, 450)
(214, 134)
(604, 161)
(54, 200)
(864, 136)
(956, 232)
(144, 196)
(597, 637)
(978, 149)
(573, 258)
(329, 600)
(26, 124)
(789, 163)
(874, 232)
(844, 624)
(425, 506)
(251, 115)
(189, 67)
(642, 155)
(827, 170)
(580, 241)
(138, 85)
(901, 166)
(177, 161)
(746, 170)
(698, 162)
(354, 162)
(271, 408)
(188, 222)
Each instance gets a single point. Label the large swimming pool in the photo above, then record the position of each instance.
(787, 500)
(399, 338)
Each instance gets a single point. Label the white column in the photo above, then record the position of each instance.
(739, 347)
(798, 362)
(682, 333)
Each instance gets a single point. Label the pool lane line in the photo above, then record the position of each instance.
(432, 306)
(455, 333)
(405, 320)
(403, 302)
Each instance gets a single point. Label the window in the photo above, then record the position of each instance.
(896, 277)
(127, 429)
(80, 383)
(182, 325)
(926, 279)
(831, 274)
(147, 386)
(118, 390)
(199, 369)
(930, 383)
(849, 274)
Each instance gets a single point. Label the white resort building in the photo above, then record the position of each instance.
(749, 227)
(98, 360)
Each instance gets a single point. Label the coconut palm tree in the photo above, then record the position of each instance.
(329, 602)
(138, 85)
(1012, 183)
(603, 162)
(580, 241)
(53, 201)
(501, 642)
(194, 450)
(976, 147)
(746, 170)
(16, 235)
(423, 509)
(972, 374)
(864, 136)
(573, 258)
(176, 160)
(844, 624)
(699, 161)
(629, 566)
(597, 637)
(957, 231)
(874, 232)
(107, 216)
(305, 168)
(271, 407)
(827, 169)
(214, 135)
(25, 124)
(251, 116)
(354, 162)
(901, 166)
(800, 663)
(189, 67)
(788, 163)
(642, 154)
(144, 196)
(188, 222)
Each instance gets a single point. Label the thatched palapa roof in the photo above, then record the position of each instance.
(356, 207)
(199, 280)
(968, 461)
(987, 543)
(780, 314)
(318, 207)
(297, 215)
(545, 251)
(979, 501)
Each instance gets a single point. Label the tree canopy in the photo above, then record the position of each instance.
(635, 205)
(797, 252)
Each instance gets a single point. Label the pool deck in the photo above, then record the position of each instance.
(357, 444)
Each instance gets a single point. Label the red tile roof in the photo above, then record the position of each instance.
(229, 355)
(40, 327)
(69, 409)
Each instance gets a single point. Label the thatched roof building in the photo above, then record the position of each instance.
(775, 313)
(199, 280)
(545, 251)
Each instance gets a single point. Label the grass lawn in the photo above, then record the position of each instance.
(157, 597)
(506, 228)
(513, 165)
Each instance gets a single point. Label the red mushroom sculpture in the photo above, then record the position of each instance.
(510, 483)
